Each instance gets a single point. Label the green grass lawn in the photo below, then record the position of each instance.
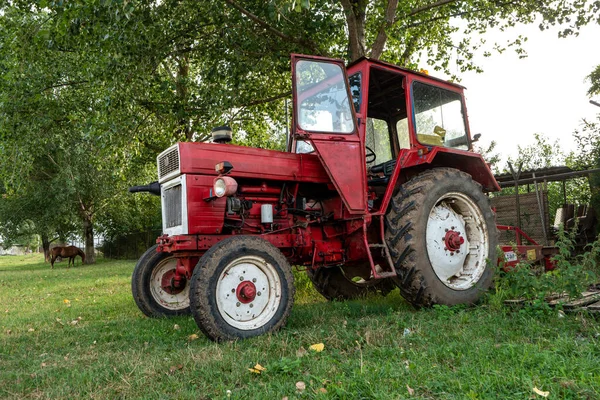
(77, 333)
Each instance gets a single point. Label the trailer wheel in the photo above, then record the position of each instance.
(152, 287)
(442, 235)
(333, 284)
(241, 287)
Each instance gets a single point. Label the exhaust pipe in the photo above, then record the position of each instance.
(152, 188)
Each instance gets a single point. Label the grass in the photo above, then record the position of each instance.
(77, 334)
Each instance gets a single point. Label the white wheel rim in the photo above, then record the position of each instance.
(171, 301)
(254, 312)
(456, 218)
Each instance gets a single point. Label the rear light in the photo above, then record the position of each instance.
(224, 186)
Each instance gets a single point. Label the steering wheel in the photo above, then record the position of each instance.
(370, 155)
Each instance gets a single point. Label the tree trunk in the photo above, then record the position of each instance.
(594, 180)
(88, 233)
(46, 246)
(182, 90)
(356, 13)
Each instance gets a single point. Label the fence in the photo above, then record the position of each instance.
(130, 246)
(533, 222)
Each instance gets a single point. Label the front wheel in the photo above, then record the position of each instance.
(241, 287)
(442, 236)
(153, 289)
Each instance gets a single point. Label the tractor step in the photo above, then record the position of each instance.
(388, 272)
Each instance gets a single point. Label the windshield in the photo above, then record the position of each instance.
(322, 98)
(439, 119)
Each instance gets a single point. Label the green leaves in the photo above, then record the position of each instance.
(92, 90)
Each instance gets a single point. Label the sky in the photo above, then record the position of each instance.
(544, 93)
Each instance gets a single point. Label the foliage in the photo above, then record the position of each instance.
(572, 276)
(489, 155)
(544, 154)
(91, 91)
(594, 79)
(588, 156)
(541, 154)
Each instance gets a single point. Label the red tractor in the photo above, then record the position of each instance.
(379, 188)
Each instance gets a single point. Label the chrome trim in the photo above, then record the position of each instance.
(178, 229)
(168, 164)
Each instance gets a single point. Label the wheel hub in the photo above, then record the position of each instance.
(168, 291)
(456, 240)
(445, 228)
(246, 292)
(169, 284)
(453, 240)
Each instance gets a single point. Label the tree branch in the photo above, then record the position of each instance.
(353, 46)
(305, 43)
(410, 45)
(64, 84)
(267, 100)
(428, 7)
(458, 14)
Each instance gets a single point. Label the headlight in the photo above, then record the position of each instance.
(224, 186)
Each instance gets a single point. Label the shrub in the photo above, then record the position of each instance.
(573, 275)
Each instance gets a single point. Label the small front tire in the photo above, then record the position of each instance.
(241, 287)
(151, 289)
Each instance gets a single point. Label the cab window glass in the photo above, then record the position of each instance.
(378, 140)
(403, 134)
(322, 98)
(355, 82)
(439, 119)
(304, 146)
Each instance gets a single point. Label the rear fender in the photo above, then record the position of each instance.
(413, 162)
(471, 163)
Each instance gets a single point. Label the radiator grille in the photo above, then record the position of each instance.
(172, 204)
(168, 162)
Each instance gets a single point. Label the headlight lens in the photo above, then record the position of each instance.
(224, 186)
(220, 187)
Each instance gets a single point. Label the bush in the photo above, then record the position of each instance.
(573, 275)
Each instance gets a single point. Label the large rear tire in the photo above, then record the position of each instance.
(241, 287)
(333, 284)
(151, 286)
(442, 235)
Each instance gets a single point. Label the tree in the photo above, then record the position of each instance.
(92, 91)
(64, 154)
(587, 155)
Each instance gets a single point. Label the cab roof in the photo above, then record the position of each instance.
(406, 70)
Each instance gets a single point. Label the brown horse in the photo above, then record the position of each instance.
(67, 251)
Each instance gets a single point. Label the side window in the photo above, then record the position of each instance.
(322, 98)
(439, 119)
(378, 140)
(355, 82)
(303, 147)
(403, 134)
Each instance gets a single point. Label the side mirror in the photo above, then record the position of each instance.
(476, 137)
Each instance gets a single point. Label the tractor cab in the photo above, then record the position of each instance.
(372, 121)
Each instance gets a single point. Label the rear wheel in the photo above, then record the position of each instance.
(334, 284)
(153, 287)
(442, 236)
(242, 287)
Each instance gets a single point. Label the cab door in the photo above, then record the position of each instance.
(324, 117)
